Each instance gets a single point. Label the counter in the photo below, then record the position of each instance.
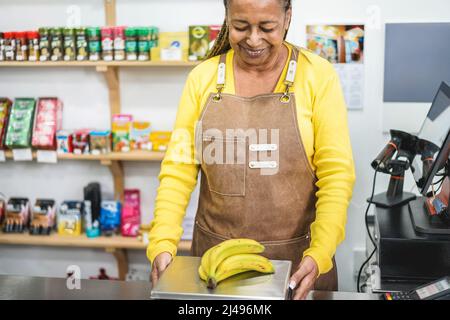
(26, 288)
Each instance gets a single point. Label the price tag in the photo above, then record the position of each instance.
(22, 155)
(2, 156)
(46, 156)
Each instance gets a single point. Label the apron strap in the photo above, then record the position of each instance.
(288, 81)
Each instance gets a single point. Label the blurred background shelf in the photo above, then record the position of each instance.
(30, 64)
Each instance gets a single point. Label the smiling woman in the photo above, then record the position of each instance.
(296, 203)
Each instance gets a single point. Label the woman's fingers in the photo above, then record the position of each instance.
(305, 287)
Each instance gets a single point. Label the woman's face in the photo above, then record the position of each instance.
(257, 29)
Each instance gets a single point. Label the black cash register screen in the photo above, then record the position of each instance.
(434, 129)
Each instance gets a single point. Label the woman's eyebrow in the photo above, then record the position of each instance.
(262, 22)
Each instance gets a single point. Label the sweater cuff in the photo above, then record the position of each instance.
(162, 246)
(324, 263)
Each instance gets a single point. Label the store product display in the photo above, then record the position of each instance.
(17, 215)
(5, 106)
(232, 257)
(43, 217)
(110, 217)
(131, 213)
(48, 122)
(20, 122)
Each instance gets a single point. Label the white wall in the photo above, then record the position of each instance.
(152, 94)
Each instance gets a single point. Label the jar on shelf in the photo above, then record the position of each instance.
(94, 43)
(21, 46)
(130, 44)
(119, 43)
(44, 44)
(143, 43)
(33, 45)
(107, 43)
(69, 44)
(81, 44)
(56, 44)
(10, 46)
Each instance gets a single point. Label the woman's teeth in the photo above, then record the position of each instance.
(254, 53)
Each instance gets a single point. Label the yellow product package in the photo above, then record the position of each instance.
(160, 140)
(173, 46)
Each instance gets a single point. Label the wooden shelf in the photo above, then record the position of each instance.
(55, 240)
(113, 156)
(143, 64)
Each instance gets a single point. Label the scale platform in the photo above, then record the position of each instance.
(180, 281)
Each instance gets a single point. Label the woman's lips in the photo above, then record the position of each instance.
(253, 53)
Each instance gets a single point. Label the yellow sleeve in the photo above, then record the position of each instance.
(178, 177)
(335, 171)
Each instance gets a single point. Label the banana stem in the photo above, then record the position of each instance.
(212, 284)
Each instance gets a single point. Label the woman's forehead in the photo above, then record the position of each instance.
(259, 5)
(255, 10)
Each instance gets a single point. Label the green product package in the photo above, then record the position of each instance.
(69, 44)
(130, 40)
(20, 123)
(81, 44)
(93, 35)
(144, 39)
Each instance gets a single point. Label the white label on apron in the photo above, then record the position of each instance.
(262, 164)
(22, 155)
(2, 156)
(46, 156)
(290, 76)
(221, 74)
(263, 147)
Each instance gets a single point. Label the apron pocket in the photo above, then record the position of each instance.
(225, 173)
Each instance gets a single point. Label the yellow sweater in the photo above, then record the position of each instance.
(322, 117)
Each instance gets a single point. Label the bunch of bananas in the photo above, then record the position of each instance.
(232, 257)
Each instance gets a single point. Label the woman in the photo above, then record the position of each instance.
(291, 101)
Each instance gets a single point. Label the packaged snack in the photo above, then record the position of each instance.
(110, 217)
(100, 142)
(48, 122)
(119, 43)
(94, 43)
(17, 215)
(56, 44)
(64, 142)
(69, 44)
(198, 42)
(131, 213)
(107, 43)
(44, 44)
(43, 217)
(140, 136)
(131, 44)
(5, 107)
(80, 141)
(214, 31)
(160, 140)
(70, 218)
(33, 45)
(18, 134)
(81, 44)
(121, 125)
(21, 46)
(173, 46)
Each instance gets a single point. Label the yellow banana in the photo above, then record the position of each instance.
(202, 273)
(226, 249)
(204, 265)
(240, 263)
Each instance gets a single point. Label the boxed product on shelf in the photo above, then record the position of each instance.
(110, 217)
(48, 122)
(160, 140)
(140, 136)
(43, 217)
(5, 107)
(18, 134)
(17, 215)
(100, 142)
(198, 42)
(64, 140)
(173, 46)
(131, 213)
(121, 125)
(70, 218)
(214, 31)
(80, 141)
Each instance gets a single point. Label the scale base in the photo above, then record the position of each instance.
(385, 201)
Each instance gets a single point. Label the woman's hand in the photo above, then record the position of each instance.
(302, 281)
(160, 264)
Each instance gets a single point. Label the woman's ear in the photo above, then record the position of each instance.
(288, 18)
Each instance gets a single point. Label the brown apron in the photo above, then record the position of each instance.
(262, 188)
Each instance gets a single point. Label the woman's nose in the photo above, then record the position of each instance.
(254, 39)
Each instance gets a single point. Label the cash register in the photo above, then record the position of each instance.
(412, 233)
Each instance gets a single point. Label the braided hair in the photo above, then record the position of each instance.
(222, 43)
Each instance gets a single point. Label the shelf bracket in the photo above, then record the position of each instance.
(112, 79)
(110, 12)
(122, 261)
(116, 168)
